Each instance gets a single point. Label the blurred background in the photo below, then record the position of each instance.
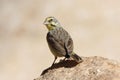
(93, 24)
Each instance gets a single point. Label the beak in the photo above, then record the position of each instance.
(45, 23)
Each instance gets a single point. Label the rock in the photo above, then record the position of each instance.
(92, 68)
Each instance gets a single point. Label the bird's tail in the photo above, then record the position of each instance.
(76, 57)
(73, 55)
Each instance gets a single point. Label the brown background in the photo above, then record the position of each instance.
(93, 24)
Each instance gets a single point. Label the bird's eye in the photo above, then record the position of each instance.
(50, 20)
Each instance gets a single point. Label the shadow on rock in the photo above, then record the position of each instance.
(66, 64)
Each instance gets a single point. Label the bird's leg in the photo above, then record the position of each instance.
(54, 61)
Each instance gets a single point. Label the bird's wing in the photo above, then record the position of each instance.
(59, 39)
(69, 45)
(56, 44)
(67, 40)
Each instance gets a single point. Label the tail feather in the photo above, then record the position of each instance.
(73, 55)
(76, 58)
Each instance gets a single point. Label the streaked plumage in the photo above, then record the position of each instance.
(59, 41)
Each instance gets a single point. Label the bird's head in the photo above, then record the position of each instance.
(51, 23)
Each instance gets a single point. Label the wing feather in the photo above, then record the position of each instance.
(56, 40)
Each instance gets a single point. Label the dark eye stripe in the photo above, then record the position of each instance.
(50, 20)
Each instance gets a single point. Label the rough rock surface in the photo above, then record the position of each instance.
(92, 68)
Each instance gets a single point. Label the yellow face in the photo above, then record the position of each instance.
(51, 23)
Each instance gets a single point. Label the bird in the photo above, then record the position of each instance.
(59, 41)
